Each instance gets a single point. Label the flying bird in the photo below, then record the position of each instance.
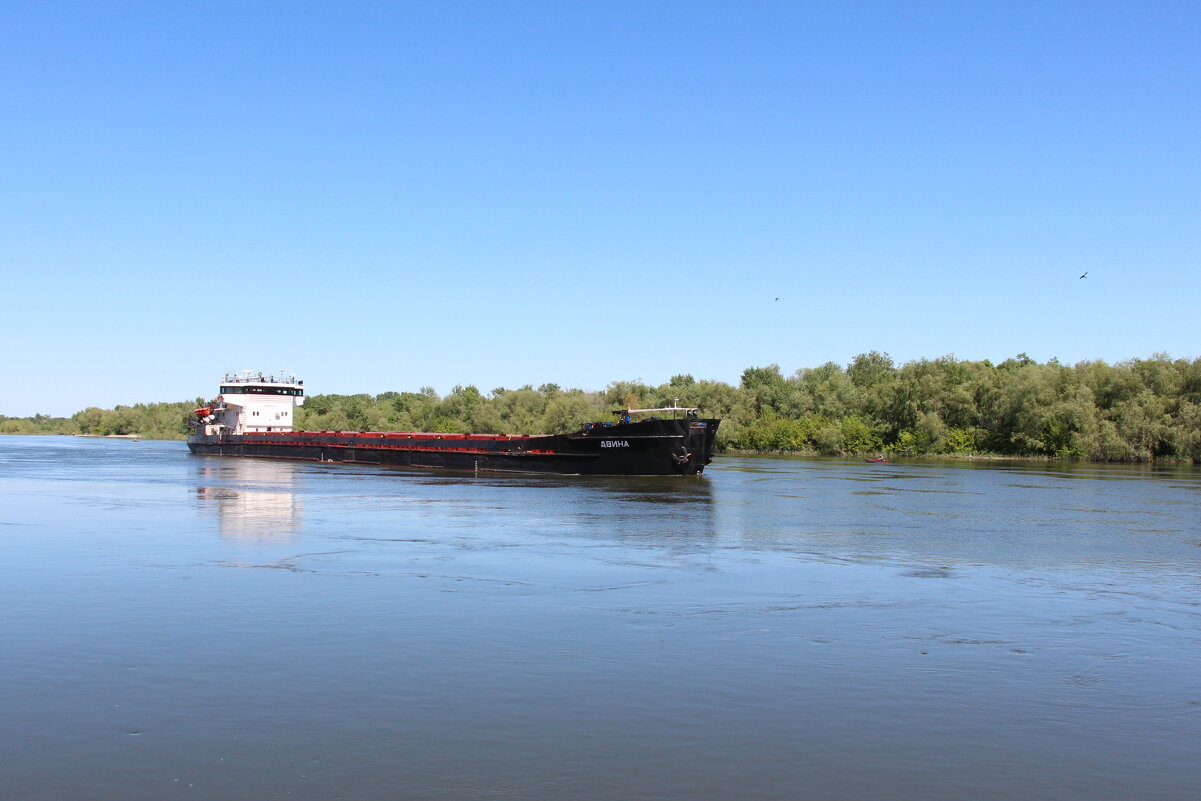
(777, 298)
(1085, 274)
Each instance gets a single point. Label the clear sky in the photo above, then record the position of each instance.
(386, 196)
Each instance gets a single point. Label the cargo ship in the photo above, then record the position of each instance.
(253, 416)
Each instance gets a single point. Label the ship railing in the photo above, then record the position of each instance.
(445, 435)
(260, 378)
(675, 411)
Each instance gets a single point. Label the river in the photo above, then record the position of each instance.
(175, 626)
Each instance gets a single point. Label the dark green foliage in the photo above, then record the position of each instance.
(1136, 410)
(150, 420)
(38, 424)
(1133, 411)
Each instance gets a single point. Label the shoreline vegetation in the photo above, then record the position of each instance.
(1139, 410)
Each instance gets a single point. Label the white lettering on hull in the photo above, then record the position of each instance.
(614, 443)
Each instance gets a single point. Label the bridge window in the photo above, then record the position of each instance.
(245, 390)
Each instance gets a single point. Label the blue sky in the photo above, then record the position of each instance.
(392, 195)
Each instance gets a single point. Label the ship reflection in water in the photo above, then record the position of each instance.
(254, 499)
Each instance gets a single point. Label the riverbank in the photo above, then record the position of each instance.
(109, 436)
(892, 456)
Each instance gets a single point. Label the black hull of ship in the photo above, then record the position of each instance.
(644, 448)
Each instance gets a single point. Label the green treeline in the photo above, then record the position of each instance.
(38, 424)
(1136, 410)
(1132, 411)
(149, 420)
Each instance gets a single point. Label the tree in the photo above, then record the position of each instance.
(566, 413)
(868, 370)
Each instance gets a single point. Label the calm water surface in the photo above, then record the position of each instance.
(174, 626)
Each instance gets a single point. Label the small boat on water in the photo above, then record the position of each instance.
(876, 460)
(253, 414)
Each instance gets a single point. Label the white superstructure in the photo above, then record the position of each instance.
(253, 403)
